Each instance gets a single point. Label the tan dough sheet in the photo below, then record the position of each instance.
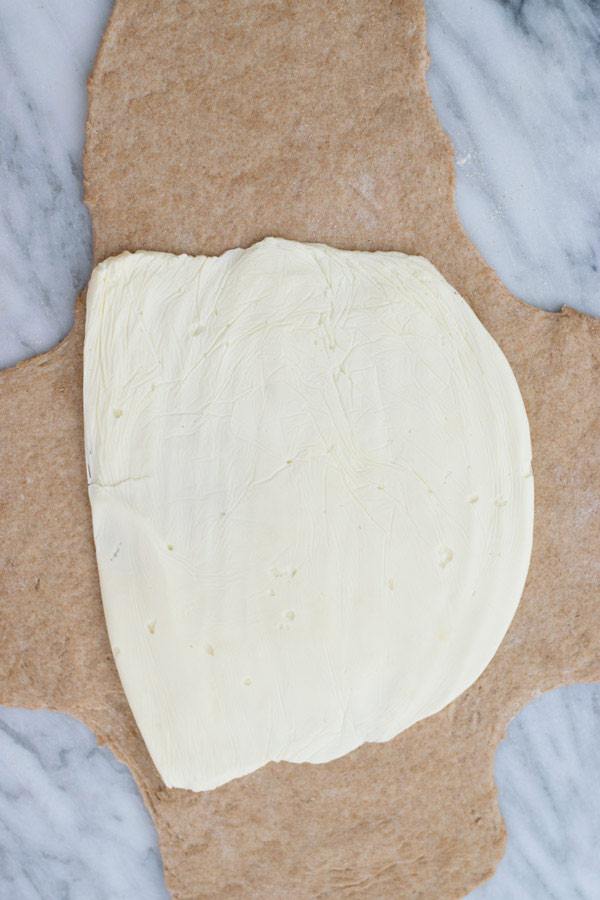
(211, 125)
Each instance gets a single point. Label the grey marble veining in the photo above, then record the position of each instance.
(516, 83)
(73, 825)
(548, 776)
(46, 53)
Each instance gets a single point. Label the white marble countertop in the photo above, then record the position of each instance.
(516, 83)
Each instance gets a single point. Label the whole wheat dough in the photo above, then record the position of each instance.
(310, 479)
(194, 148)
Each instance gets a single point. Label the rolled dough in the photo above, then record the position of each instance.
(311, 488)
(185, 133)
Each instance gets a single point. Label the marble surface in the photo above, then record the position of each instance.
(516, 83)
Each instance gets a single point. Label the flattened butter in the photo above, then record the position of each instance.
(310, 479)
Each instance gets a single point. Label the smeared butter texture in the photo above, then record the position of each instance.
(310, 480)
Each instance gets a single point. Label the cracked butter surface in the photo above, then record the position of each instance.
(310, 480)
